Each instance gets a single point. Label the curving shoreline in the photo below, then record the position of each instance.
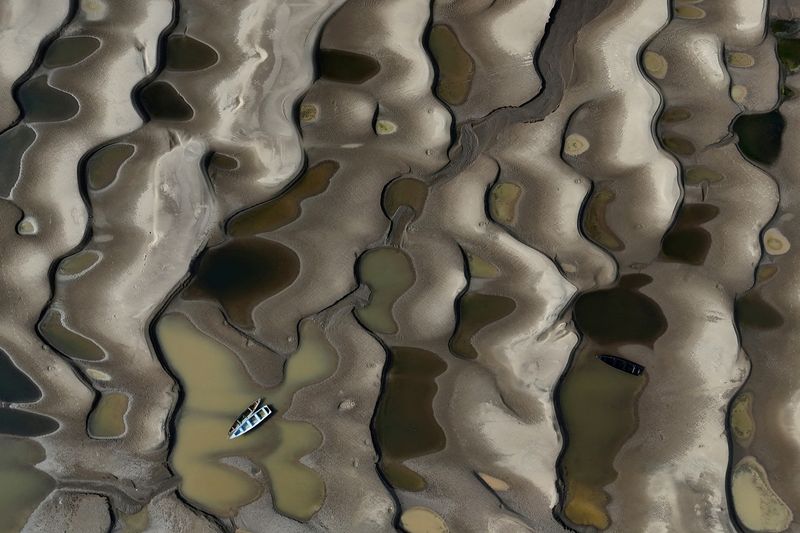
(413, 227)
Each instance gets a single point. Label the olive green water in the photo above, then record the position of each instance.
(676, 114)
(78, 263)
(22, 486)
(242, 273)
(68, 342)
(456, 67)
(503, 200)
(480, 268)
(388, 273)
(285, 208)
(594, 220)
(217, 389)
(408, 192)
(107, 419)
(476, 311)
(135, 523)
(405, 424)
(103, 166)
(741, 420)
(598, 407)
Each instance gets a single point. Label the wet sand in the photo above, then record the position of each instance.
(496, 266)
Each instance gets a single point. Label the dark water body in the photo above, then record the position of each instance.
(103, 166)
(760, 135)
(15, 385)
(66, 51)
(408, 192)
(621, 314)
(346, 67)
(789, 54)
(752, 311)
(186, 53)
(787, 33)
(784, 27)
(634, 281)
(241, 273)
(476, 311)
(24, 424)
(13, 144)
(686, 241)
(66, 341)
(285, 208)
(687, 245)
(598, 404)
(220, 161)
(162, 101)
(456, 67)
(405, 424)
(594, 220)
(42, 102)
(696, 214)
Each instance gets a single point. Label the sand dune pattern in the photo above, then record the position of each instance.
(497, 266)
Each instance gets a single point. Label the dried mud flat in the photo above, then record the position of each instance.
(498, 266)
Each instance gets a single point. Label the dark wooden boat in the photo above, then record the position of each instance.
(622, 364)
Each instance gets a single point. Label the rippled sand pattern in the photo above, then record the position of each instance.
(496, 266)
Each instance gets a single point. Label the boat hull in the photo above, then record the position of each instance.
(250, 419)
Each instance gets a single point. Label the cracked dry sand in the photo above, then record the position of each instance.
(412, 227)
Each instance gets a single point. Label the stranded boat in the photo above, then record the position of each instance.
(622, 364)
(250, 419)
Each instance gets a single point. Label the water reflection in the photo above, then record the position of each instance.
(41, 102)
(405, 424)
(242, 273)
(284, 208)
(346, 67)
(67, 51)
(456, 67)
(598, 405)
(217, 387)
(476, 311)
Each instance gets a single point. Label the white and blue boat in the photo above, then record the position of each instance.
(250, 418)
